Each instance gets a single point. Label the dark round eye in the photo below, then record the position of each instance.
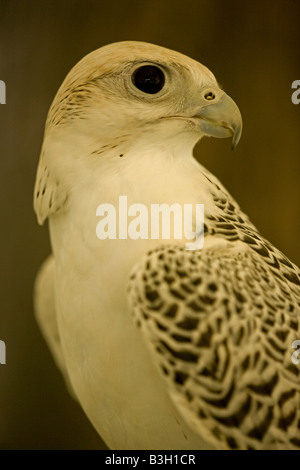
(149, 79)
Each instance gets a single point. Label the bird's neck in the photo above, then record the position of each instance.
(156, 176)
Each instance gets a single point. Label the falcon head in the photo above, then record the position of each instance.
(135, 85)
(129, 95)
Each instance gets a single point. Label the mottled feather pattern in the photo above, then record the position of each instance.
(49, 197)
(220, 323)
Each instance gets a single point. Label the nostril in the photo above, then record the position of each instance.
(209, 96)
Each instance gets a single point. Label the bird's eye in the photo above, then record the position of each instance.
(149, 79)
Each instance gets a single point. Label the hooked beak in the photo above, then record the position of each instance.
(220, 117)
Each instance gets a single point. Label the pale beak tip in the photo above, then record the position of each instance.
(236, 135)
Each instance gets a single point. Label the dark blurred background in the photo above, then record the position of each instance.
(252, 47)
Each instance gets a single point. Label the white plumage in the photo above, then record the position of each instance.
(164, 348)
